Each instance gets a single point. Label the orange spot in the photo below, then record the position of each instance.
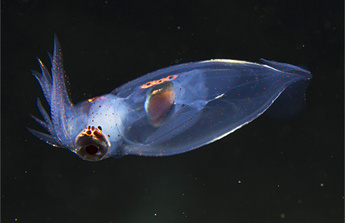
(95, 99)
(155, 82)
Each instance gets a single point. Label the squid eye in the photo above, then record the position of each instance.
(91, 149)
(91, 144)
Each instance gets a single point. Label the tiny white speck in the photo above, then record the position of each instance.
(155, 214)
(239, 181)
(322, 185)
(282, 215)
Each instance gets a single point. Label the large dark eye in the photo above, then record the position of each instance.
(91, 144)
(92, 152)
(91, 149)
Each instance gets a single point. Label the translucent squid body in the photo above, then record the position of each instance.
(166, 112)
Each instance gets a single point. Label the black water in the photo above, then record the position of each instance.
(268, 171)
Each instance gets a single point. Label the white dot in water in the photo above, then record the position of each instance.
(322, 185)
(155, 214)
(282, 215)
(239, 181)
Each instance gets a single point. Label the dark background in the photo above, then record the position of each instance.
(267, 171)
